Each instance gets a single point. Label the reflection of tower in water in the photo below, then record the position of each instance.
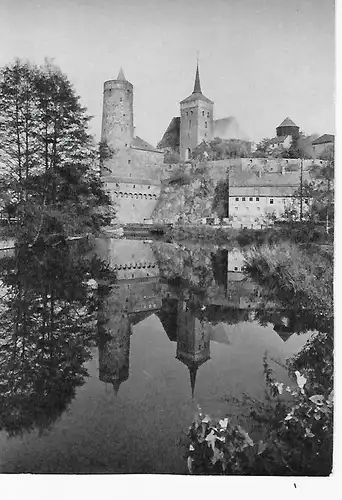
(134, 297)
(193, 344)
(114, 347)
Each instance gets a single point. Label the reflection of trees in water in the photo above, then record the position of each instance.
(47, 329)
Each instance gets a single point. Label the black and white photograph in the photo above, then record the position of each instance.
(167, 226)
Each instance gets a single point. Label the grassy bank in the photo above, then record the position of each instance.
(300, 278)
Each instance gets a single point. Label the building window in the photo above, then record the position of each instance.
(258, 208)
(191, 112)
(271, 201)
(149, 187)
(236, 199)
(235, 268)
(243, 199)
(120, 99)
(187, 114)
(208, 115)
(130, 175)
(236, 208)
(133, 186)
(124, 114)
(202, 113)
(256, 199)
(189, 123)
(250, 199)
(129, 161)
(307, 202)
(206, 124)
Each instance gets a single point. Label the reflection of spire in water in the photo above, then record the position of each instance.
(193, 345)
(193, 372)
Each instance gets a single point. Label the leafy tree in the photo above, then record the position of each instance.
(48, 159)
(262, 149)
(300, 147)
(220, 149)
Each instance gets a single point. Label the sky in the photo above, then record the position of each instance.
(260, 60)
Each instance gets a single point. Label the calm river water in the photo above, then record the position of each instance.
(103, 375)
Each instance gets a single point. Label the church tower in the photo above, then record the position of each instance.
(117, 123)
(196, 121)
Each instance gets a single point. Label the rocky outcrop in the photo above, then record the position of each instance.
(185, 203)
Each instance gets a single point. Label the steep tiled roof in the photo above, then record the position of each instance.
(138, 143)
(196, 96)
(324, 139)
(197, 92)
(287, 123)
(245, 178)
(170, 138)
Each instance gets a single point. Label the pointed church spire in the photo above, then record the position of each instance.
(116, 386)
(197, 86)
(193, 371)
(121, 75)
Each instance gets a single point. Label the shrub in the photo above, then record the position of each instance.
(295, 435)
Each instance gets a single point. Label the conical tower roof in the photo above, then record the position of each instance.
(287, 123)
(197, 92)
(197, 86)
(121, 75)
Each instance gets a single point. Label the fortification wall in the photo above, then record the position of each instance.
(135, 163)
(135, 200)
(218, 168)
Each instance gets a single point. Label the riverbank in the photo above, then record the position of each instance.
(295, 422)
(302, 233)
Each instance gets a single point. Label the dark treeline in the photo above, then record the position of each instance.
(48, 161)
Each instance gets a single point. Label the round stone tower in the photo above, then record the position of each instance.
(117, 119)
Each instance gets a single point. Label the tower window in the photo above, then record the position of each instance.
(206, 124)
